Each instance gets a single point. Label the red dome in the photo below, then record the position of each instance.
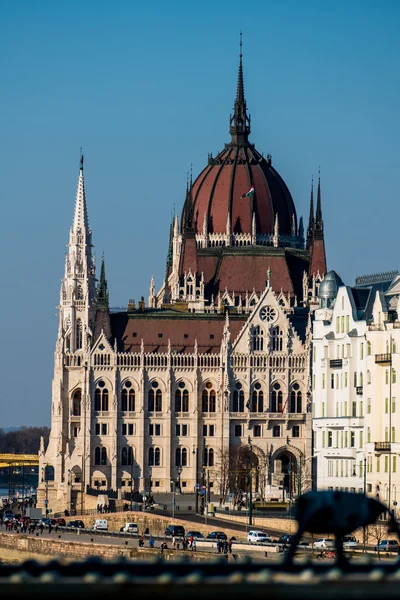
(219, 188)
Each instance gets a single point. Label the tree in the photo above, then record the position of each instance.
(378, 532)
(25, 440)
(222, 472)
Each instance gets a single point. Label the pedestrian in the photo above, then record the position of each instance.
(194, 547)
(219, 546)
(41, 527)
(173, 541)
(50, 528)
(225, 546)
(230, 546)
(191, 539)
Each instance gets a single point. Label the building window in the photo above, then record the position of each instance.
(329, 439)
(101, 397)
(323, 439)
(154, 398)
(211, 430)
(79, 334)
(387, 376)
(76, 403)
(296, 399)
(97, 429)
(257, 398)
(332, 381)
(128, 398)
(337, 324)
(368, 434)
(345, 380)
(342, 319)
(361, 351)
(386, 464)
(75, 432)
(322, 409)
(276, 431)
(394, 463)
(354, 409)
(238, 431)
(361, 439)
(393, 405)
(393, 434)
(104, 429)
(258, 339)
(369, 349)
(355, 379)
(276, 339)
(296, 431)
(347, 323)
(257, 431)
(97, 452)
(394, 376)
(378, 464)
(154, 457)
(238, 398)
(181, 457)
(369, 406)
(181, 398)
(352, 439)
(276, 398)
(208, 457)
(123, 428)
(386, 405)
(208, 398)
(126, 456)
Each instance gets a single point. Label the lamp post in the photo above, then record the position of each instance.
(131, 457)
(173, 498)
(69, 490)
(365, 493)
(195, 457)
(178, 481)
(251, 484)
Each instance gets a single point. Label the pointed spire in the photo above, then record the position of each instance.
(301, 228)
(240, 121)
(310, 228)
(188, 224)
(319, 224)
(81, 221)
(176, 226)
(102, 290)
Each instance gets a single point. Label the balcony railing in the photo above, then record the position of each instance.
(383, 446)
(383, 359)
(336, 363)
(359, 390)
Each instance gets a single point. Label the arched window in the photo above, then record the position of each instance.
(154, 398)
(97, 456)
(181, 398)
(394, 347)
(386, 376)
(79, 334)
(128, 398)
(130, 456)
(104, 456)
(258, 338)
(76, 403)
(238, 398)
(276, 339)
(101, 397)
(368, 376)
(97, 400)
(124, 457)
(181, 457)
(394, 376)
(369, 349)
(79, 293)
(296, 399)
(208, 398)
(211, 457)
(257, 398)
(157, 457)
(276, 398)
(361, 379)
(151, 457)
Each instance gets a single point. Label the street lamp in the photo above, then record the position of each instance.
(178, 481)
(195, 458)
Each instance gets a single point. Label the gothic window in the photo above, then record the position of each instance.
(128, 398)
(154, 457)
(97, 456)
(295, 399)
(154, 398)
(189, 286)
(258, 338)
(208, 457)
(79, 336)
(181, 398)
(79, 293)
(238, 399)
(276, 339)
(208, 398)
(257, 398)
(124, 457)
(76, 403)
(101, 397)
(276, 398)
(181, 457)
(104, 456)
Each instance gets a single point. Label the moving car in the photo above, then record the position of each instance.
(324, 543)
(197, 535)
(8, 516)
(101, 525)
(387, 546)
(258, 537)
(60, 522)
(130, 528)
(217, 535)
(175, 531)
(349, 542)
(76, 524)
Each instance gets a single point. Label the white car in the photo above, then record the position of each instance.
(349, 542)
(324, 543)
(258, 537)
(101, 525)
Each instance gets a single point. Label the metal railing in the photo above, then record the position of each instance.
(383, 446)
(381, 359)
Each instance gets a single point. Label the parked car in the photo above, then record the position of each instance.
(46, 522)
(130, 528)
(387, 546)
(101, 525)
(285, 539)
(60, 522)
(8, 516)
(258, 537)
(197, 535)
(217, 535)
(175, 530)
(324, 543)
(349, 542)
(76, 524)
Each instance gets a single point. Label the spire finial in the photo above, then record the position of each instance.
(102, 290)
(240, 121)
(319, 223)
(311, 221)
(81, 159)
(191, 175)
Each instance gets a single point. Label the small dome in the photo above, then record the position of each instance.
(329, 288)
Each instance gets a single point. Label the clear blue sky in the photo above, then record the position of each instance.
(146, 89)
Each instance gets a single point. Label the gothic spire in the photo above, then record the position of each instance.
(240, 121)
(188, 225)
(319, 224)
(81, 221)
(310, 228)
(102, 289)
